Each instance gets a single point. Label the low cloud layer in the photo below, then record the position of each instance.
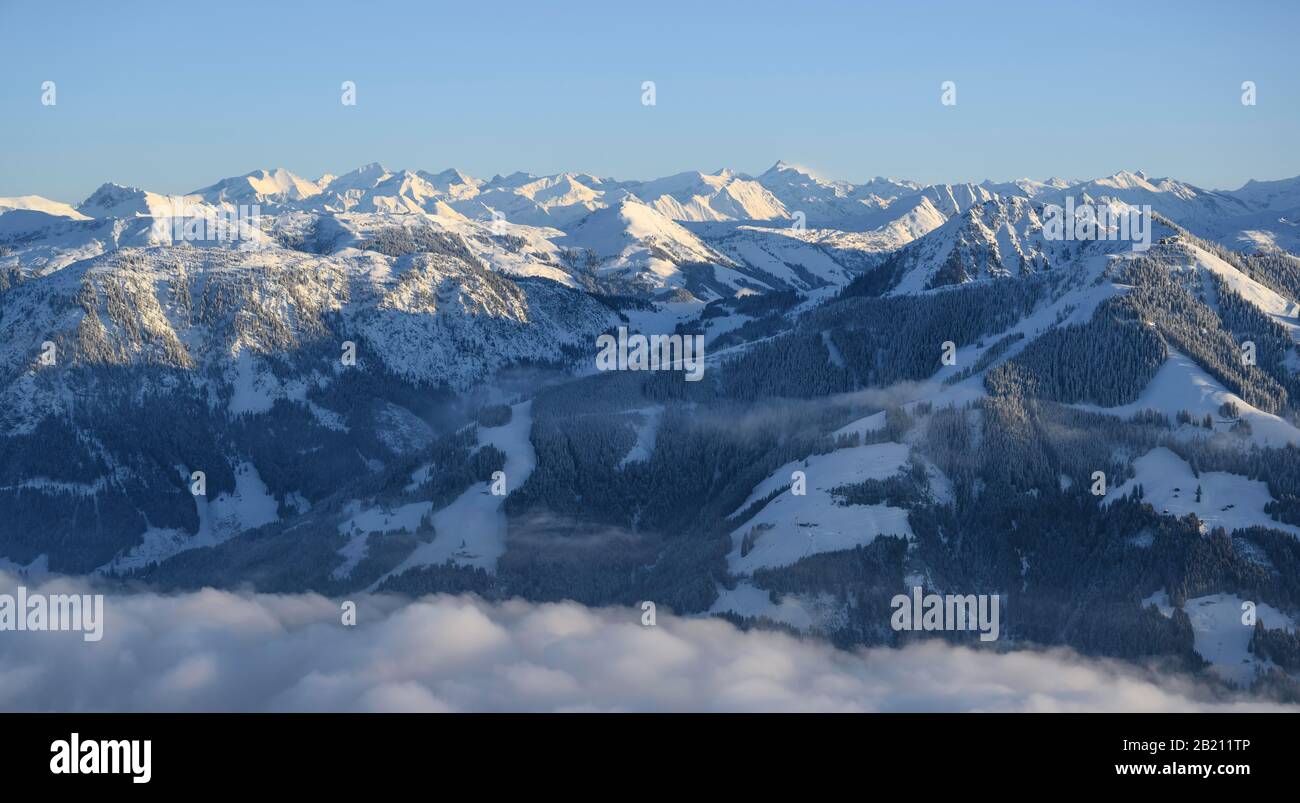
(219, 651)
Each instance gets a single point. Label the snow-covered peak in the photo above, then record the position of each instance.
(953, 199)
(115, 200)
(790, 174)
(1280, 195)
(373, 188)
(786, 174)
(1025, 187)
(562, 189)
(515, 179)
(1126, 180)
(260, 186)
(998, 238)
(38, 203)
(452, 183)
(363, 178)
(783, 166)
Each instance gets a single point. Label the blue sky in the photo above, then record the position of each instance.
(173, 97)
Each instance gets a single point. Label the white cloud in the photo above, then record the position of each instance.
(216, 650)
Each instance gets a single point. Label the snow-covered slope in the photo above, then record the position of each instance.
(723, 195)
(632, 223)
(1226, 500)
(636, 243)
(38, 204)
(1221, 637)
(1181, 384)
(999, 238)
(791, 526)
(1259, 216)
(1182, 203)
(1282, 195)
(430, 317)
(34, 243)
(471, 531)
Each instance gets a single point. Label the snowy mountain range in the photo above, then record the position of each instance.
(387, 380)
(655, 227)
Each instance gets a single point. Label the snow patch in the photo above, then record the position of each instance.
(1230, 501)
(471, 531)
(792, 527)
(1181, 384)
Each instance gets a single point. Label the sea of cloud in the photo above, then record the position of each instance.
(216, 650)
